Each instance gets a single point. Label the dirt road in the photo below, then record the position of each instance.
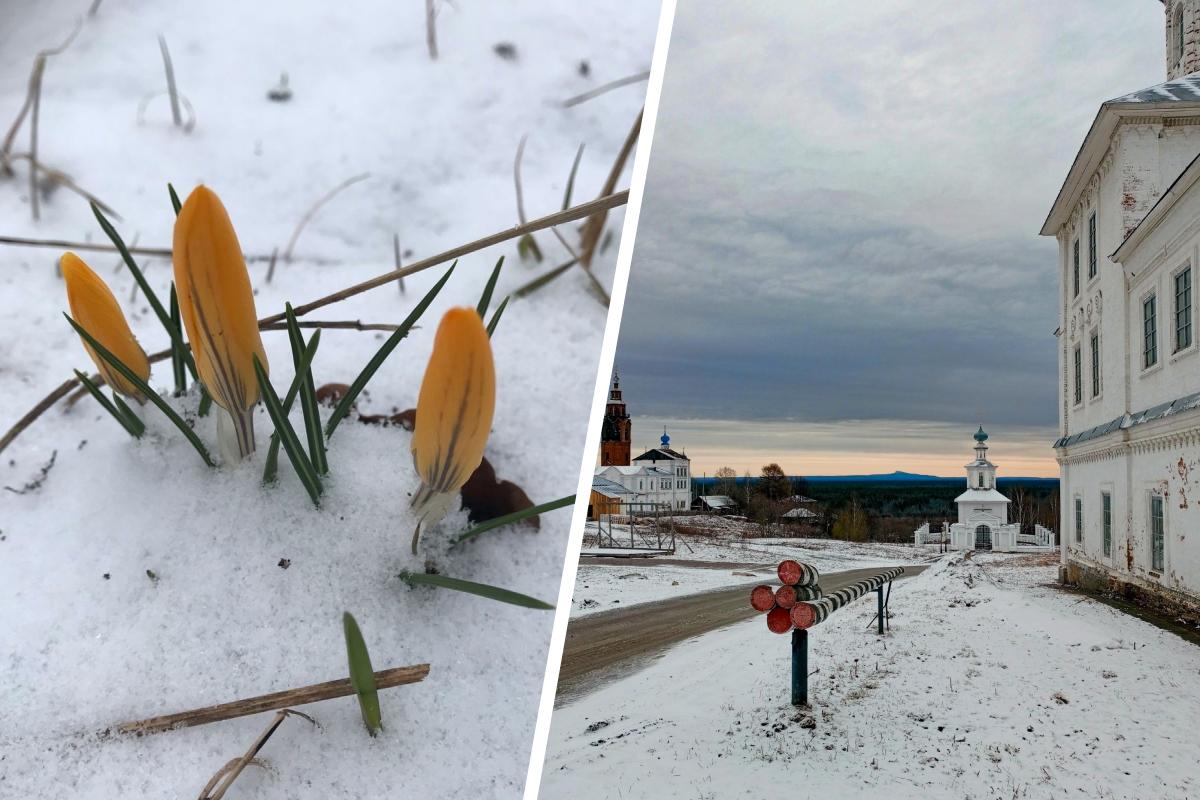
(611, 644)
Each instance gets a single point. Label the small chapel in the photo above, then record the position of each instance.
(982, 511)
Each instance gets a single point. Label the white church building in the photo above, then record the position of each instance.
(983, 513)
(1127, 222)
(659, 478)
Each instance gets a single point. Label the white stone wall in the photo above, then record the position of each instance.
(1157, 460)
(1159, 457)
(1144, 159)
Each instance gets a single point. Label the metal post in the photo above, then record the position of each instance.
(879, 598)
(799, 667)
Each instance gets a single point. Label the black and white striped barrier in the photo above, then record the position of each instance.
(813, 612)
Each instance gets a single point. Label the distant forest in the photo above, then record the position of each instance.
(889, 510)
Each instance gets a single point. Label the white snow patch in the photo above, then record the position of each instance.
(991, 684)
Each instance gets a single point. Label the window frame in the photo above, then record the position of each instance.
(1186, 314)
(1078, 519)
(1177, 25)
(1075, 268)
(1093, 266)
(1158, 555)
(1150, 331)
(1106, 522)
(1078, 372)
(1094, 345)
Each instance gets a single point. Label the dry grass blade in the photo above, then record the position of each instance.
(325, 198)
(341, 324)
(225, 770)
(608, 87)
(595, 224)
(517, 179)
(35, 88)
(163, 252)
(215, 789)
(172, 91)
(576, 212)
(431, 29)
(384, 679)
(396, 260)
(61, 178)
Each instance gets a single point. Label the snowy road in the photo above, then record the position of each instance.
(609, 645)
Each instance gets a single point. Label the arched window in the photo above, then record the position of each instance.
(1178, 30)
(981, 480)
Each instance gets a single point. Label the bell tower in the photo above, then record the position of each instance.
(616, 434)
(981, 473)
(1183, 37)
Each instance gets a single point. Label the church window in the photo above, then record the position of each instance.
(1076, 269)
(1106, 518)
(1183, 309)
(1157, 533)
(1079, 519)
(1177, 27)
(1078, 375)
(1149, 332)
(1095, 365)
(980, 481)
(1092, 245)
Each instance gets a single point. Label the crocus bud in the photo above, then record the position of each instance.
(94, 307)
(454, 414)
(217, 307)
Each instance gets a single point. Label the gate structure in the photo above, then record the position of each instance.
(800, 604)
(983, 537)
(651, 528)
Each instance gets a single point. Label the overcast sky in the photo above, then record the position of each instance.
(837, 265)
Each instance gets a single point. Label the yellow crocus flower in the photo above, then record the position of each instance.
(454, 414)
(94, 307)
(216, 303)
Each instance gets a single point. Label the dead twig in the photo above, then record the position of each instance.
(608, 87)
(215, 789)
(161, 252)
(431, 29)
(33, 92)
(384, 679)
(595, 224)
(36, 483)
(271, 265)
(396, 255)
(172, 91)
(232, 764)
(325, 198)
(577, 212)
(63, 179)
(346, 325)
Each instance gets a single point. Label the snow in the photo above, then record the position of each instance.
(87, 638)
(709, 562)
(991, 683)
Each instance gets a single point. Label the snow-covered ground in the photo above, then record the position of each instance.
(89, 637)
(700, 564)
(991, 684)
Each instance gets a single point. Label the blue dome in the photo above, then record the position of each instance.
(664, 439)
(980, 436)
